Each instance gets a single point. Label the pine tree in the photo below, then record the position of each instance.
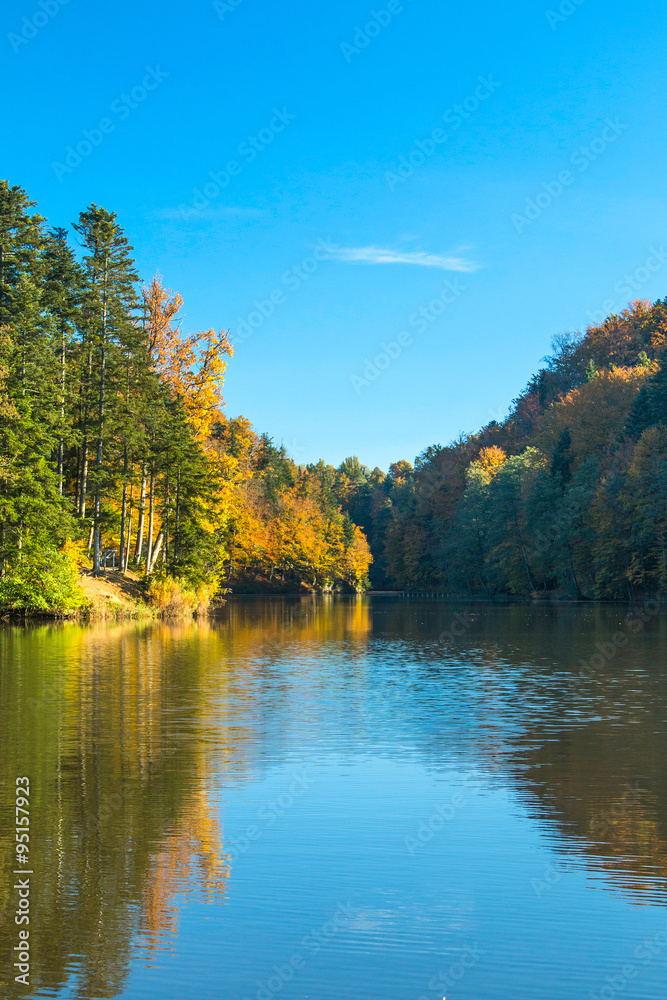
(21, 245)
(32, 515)
(650, 407)
(62, 297)
(109, 301)
(562, 459)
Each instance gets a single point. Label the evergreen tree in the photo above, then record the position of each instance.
(562, 459)
(650, 407)
(109, 302)
(62, 297)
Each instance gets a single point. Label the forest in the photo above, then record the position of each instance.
(113, 439)
(564, 498)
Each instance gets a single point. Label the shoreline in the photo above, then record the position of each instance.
(112, 609)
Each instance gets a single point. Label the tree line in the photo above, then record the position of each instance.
(567, 496)
(113, 437)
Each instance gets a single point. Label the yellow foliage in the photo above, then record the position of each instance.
(491, 459)
(358, 559)
(172, 599)
(192, 365)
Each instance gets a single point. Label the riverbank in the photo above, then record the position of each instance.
(112, 595)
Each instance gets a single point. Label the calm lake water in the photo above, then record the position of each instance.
(340, 799)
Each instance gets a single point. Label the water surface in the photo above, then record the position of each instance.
(341, 799)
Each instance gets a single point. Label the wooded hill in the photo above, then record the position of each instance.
(567, 496)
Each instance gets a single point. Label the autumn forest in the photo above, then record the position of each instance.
(114, 442)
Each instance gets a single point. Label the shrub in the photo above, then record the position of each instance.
(44, 579)
(169, 598)
(173, 597)
(204, 595)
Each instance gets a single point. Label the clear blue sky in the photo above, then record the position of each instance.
(330, 111)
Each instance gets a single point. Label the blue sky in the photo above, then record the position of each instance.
(406, 200)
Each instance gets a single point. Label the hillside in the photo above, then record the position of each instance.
(566, 497)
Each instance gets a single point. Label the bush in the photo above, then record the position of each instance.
(44, 579)
(173, 598)
(204, 595)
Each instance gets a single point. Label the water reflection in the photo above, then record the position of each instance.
(142, 741)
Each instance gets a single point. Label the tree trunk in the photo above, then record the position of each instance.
(123, 512)
(156, 551)
(142, 513)
(165, 550)
(574, 575)
(84, 443)
(125, 556)
(100, 434)
(62, 409)
(177, 516)
(84, 477)
(149, 552)
(529, 575)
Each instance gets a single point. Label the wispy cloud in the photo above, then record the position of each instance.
(378, 255)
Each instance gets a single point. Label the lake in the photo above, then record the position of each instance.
(367, 798)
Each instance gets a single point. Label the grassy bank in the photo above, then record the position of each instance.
(69, 589)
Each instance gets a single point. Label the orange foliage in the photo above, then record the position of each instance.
(618, 339)
(594, 413)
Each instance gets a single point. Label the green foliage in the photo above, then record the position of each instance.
(650, 407)
(42, 579)
(562, 458)
(591, 371)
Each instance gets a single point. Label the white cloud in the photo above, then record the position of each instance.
(377, 255)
